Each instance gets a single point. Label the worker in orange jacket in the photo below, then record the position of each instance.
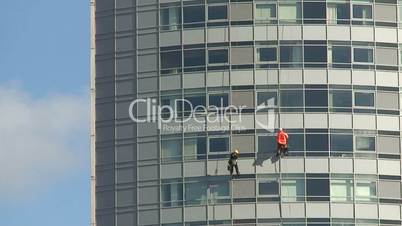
(282, 140)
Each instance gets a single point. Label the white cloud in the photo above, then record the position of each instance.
(41, 139)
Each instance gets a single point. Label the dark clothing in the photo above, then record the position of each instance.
(282, 148)
(231, 169)
(233, 163)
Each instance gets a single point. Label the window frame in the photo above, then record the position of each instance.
(258, 57)
(216, 5)
(353, 4)
(362, 47)
(364, 136)
(219, 137)
(262, 180)
(260, 21)
(366, 92)
(217, 49)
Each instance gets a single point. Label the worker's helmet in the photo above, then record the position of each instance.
(236, 151)
(280, 129)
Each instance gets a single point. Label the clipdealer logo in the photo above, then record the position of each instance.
(173, 117)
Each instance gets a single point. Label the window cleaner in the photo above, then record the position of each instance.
(232, 163)
(282, 140)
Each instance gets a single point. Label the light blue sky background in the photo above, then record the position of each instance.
(44, 66)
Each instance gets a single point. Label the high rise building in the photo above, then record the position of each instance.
(179, 84)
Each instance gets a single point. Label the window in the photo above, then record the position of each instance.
(317, 189)
(218, 56)
(171, 149)
(339, 54)
(170, 18)
(196, 192)
(338, 13)
(219, 100)
(365, 190)
(172, 194)
(365, 143)
(194, 102)
(362, 12)
(342, 190)
(268, 187)
(291, 98)
(194, 14)
(315, 54)
(341, 143)
(218, 191)
(265, 12)
(170, 59)
(364, 99)
(291, 54)
(267, 54)
(316, 98)
(363, 55)
(314, 11)
(317, 142)
(296, 142)
(292, 190)
(266, 144)
(195, 147)
(194, 58)
(289, 12)
(267, 99)
(171, 101)
(220, 144)
(340, 98)
(219, 12)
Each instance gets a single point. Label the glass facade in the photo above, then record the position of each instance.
(329, 71)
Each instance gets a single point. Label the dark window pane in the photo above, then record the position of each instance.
(267, 54)
(314, 10)
(317, 142)
(172, 193)
(340, 54)
(296, 142)
(291, 98)
(268, 187)
(219, 144)
(267, 98)
(317, 187)
(343, 11)
(363, 55)
(316, 98)
(315, 54)
(365, 143)
(291, 54)
(196, 193)
(266, 144)
(194, 57)
(340, 98)
(171, 59)
(342, 143)
(217, 12)
(218, 56)
(362, 12)
(193, 14)
(219, 100)
(193, 101)
(364, 99)
(171, 16)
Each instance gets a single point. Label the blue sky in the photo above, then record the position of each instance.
(44, 109)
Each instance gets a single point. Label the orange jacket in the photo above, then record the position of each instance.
(282, 137)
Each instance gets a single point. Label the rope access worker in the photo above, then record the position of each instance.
(232, 163)
(282, 140)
